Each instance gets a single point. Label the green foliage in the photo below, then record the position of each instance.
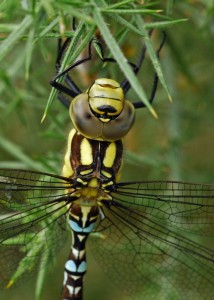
(27, 28)
(29, 33)
(42, 19)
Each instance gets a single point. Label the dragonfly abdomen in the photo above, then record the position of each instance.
(82, 220)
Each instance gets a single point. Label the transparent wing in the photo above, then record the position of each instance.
(152, 240)
(32, 221)
(186, 206)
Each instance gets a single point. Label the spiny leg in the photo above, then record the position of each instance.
(61, 49)
(67, 79)
(72, 89)
(62, 88)
(140, 104)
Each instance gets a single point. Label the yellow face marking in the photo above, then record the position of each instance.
(107, 81)
(108, 92)
(86, 152)
(104, 120)
(110, 155)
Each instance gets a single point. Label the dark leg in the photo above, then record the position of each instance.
(125, 84)
(72, 89)
(61, 50)
(64, 100)
(63, 88)
(155, 82)
(68, 80)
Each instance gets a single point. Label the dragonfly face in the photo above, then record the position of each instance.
(147, 235)
(102, 113)
(106, 99)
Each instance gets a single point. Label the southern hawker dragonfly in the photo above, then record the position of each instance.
(145, 234)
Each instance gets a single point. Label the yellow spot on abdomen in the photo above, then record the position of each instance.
(110, 155)
(85, 211)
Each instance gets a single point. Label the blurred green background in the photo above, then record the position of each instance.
(179, 145)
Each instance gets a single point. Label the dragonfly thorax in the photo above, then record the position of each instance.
(92, 194)
(102, 113)
(88, 159)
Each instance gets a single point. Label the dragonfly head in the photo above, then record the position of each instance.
(102, 113)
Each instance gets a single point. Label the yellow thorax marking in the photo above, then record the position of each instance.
(67, 171)
(93, 183)
(81, 181)
(86, 172)
(86, 152)
(107, 184)
(110, 155)
(106, 174)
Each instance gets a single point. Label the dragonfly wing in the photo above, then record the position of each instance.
(186, 206)
(32, 221)
(141, 245)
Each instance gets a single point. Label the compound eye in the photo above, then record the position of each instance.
(83, 118)
(106, 98)
(120, 126)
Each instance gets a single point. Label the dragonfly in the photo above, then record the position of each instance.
(153, 238)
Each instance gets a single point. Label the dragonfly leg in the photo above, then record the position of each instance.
(72, 89)
(140, 104)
